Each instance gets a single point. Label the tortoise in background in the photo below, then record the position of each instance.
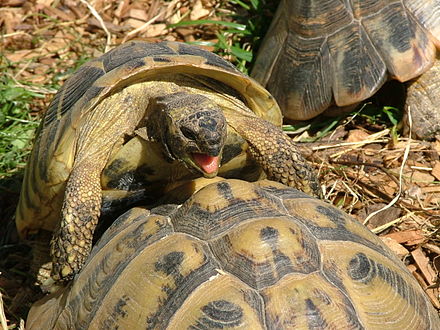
(138, 118)
(323, 52)
(239, 255)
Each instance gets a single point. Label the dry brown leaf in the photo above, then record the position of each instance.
(380, 218)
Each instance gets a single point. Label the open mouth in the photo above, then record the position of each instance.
(208, 164)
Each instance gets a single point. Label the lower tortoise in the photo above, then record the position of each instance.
(140, 117)
(239, 255)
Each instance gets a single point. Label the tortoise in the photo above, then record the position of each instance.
(140, 118)
(318, 53)
(239, 255)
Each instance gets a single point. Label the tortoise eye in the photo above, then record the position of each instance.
(188, 133)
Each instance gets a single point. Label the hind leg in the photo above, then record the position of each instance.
(423, 100)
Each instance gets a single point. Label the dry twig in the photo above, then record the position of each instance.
(101, 22)
(405, 158)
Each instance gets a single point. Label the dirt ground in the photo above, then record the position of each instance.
(388, 182)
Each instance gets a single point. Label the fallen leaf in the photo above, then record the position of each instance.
(380, 218)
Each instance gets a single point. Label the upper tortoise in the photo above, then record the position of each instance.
(135, 119)
(239, 255)
(323, 52)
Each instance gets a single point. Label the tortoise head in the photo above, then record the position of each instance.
(193, 129)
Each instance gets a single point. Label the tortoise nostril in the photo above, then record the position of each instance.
(188, 133)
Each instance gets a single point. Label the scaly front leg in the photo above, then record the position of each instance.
(276, 153)
(72, 241)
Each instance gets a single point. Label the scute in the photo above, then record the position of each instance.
(352, 47)
(211, 58)
(147, 272)
(72, 91)
(133, 52)
(71, 112)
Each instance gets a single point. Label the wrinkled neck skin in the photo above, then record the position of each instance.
(191, 128)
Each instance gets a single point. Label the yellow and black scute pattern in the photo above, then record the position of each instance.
(240, 255)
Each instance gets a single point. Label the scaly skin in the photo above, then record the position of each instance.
(167, 108)
(72, 240)
(277, 154)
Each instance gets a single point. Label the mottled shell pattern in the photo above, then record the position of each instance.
(240, 255)
(96, 80)
(320, 52)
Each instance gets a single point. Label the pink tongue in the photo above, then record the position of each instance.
(209, 164)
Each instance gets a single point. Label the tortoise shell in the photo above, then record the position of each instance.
(320, 52)
(244, 256)
(57, 138)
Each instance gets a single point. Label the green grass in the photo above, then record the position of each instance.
(366, 115)
(17, 126)
(239, 39)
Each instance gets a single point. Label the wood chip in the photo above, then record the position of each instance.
(54, 12)
(198, 11)
(12, 3)
(408, 237)
(421, 177)
(436, 170)
(122, 9)
(433, 293)
(425, 268)
(397, 248)
(155, 30)
(139, 14)
(357, 135)
(134, 23)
